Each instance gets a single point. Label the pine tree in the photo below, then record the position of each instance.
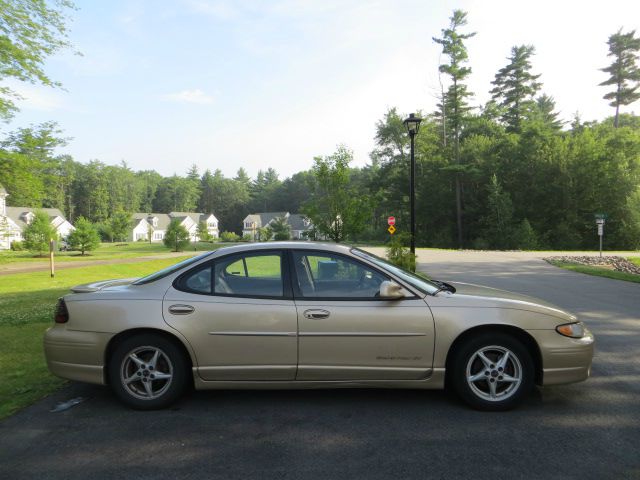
(38, 233)
(545, 111)
(454, 106)
(515, 87)
(624, 71)
(176, 237)
(85, 237)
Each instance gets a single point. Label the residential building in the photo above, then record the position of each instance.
(154, 225)
(13, 221)
(299, 224)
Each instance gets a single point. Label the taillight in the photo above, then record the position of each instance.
(62, 314)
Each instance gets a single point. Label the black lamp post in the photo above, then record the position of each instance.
(413, 125)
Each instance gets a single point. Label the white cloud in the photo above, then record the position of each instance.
(220, 10)
(190, 96)
(42, 99)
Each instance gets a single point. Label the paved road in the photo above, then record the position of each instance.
(587, 430)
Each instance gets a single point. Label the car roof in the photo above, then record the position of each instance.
(248, 247)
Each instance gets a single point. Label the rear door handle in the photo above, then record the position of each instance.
(181, 309)
(316, 314)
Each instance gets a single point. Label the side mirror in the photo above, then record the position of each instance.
(391, 290)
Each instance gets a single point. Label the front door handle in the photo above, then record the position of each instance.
(316, 314)
(181, 309)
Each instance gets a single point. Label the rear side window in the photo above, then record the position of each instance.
(249, 275)
(197, 280)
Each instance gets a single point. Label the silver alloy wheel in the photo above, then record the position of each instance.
(146, 372)
(494, 373)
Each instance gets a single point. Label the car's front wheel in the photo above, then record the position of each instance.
(492, 371)
(148, 371)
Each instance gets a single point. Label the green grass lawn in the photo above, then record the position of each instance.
(635, 260)
(27, 301)
(105, 251)
(599, 272)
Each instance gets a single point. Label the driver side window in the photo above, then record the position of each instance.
(334, 276)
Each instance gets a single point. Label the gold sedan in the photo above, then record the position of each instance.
(308, 315)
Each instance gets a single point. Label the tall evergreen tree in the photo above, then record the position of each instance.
(515, 87)
(455, 106)
(624, 71)
(545, 111)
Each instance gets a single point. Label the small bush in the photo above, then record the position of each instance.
(229, 237)
(399, 254)
(17, 246)
(246, 238)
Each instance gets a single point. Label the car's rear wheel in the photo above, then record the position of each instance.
(148, 371)
(492, 371)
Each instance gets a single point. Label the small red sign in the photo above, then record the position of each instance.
(391, 220)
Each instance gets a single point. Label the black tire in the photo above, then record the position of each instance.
(495, 391)
(167, 379)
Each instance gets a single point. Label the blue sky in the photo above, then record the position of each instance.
(223, 84)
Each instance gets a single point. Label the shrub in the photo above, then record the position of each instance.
(399, 254)
(17, 246)
(229, 237)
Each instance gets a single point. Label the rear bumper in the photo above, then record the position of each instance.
(564, 360)
(76, 355)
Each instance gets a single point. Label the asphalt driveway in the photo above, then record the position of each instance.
(587, 430)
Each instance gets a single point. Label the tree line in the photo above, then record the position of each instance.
(508, 174)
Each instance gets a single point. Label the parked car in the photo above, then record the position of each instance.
(308, 315)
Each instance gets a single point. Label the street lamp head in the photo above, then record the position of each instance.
(412, 123)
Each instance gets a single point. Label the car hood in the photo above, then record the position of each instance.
(102, 285)
(487, 296)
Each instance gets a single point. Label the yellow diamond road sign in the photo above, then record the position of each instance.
(391, 229)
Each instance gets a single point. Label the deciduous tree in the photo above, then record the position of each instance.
(336, 210)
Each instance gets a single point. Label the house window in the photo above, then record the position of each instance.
(157, 236)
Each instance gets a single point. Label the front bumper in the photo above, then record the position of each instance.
(564, 359)
(76, 355)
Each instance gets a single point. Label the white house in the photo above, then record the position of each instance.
(299, 224)
(13, 221)
(156, 224)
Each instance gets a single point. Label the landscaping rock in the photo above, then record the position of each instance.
(619, 264)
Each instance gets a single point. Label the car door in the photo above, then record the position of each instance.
(347, 332)
(238, 314)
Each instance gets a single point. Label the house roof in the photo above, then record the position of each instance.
(197, 217)
(297, 222)
(262, 219)
(16, 214)
(163, 219)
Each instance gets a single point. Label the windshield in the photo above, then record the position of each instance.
(422, 284)
(169, 270)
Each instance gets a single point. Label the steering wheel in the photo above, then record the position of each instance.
(364, 281)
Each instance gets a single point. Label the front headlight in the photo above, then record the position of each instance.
(573, 330)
